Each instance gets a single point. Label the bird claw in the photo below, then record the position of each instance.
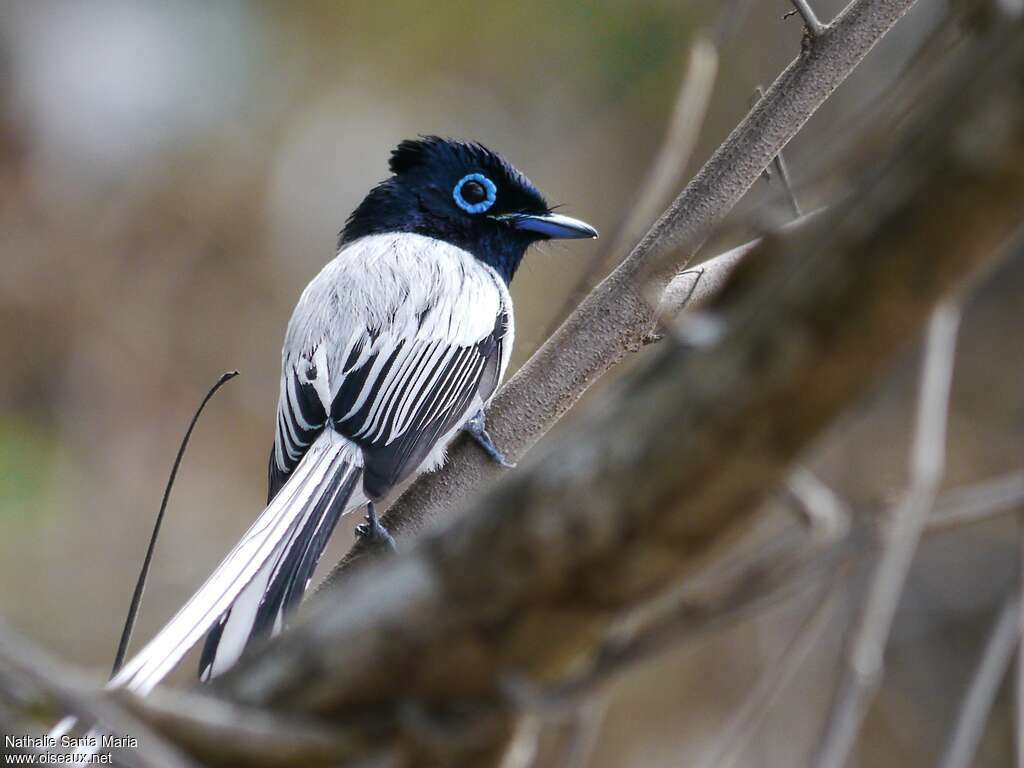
(373, 534)
(476, 428)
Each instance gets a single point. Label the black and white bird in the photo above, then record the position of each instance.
(397, 345)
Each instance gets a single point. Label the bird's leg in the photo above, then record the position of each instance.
(476, 428)
(374, 534)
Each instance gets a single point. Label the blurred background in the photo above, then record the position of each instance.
(173, 174)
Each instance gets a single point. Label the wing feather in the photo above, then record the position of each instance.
(395, 362)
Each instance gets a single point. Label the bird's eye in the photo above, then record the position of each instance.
(474, 193)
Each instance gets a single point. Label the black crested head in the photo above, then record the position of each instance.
(465, 194)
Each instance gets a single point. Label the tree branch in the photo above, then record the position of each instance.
(663, 474)
(47, 687)
(977, 502)
(666, 170)
(615, 318)
(814, 27)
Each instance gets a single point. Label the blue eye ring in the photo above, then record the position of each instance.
(483, 205)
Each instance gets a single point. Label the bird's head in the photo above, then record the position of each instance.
(464, 194)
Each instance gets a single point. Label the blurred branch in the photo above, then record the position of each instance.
(522, 750)
(36, 687)
(584, 729)
(742, 727)
(751, 586)
(978, 502)
(663, 475)
(863, 673)
(670, 161)
(236, 735)
(33, 687)
(825, 513)
(974, 712)
(1018, 686)
(694, 287)
(616, 318)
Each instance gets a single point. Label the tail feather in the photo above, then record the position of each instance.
(289, 582)
(259, 611)
(316, 481)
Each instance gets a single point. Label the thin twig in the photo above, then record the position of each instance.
(974, 711)
(673, 157)
(863, 673)
(140, 585)
(1018, 698)
(586, 727)
(751, 586)
(668, 165)
(814, 27)
(522, 750)
(827, 515)
(782, 169)
(742, 727)
(977, 502)
(787, 185)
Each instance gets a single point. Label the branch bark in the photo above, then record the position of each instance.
(615, 318)
(668, 469)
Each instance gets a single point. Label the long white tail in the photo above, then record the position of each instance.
(323, 480)
(291, 530)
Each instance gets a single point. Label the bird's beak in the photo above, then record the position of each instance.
(551, 225)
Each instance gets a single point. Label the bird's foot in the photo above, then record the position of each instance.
(375, 535)
(476, 428)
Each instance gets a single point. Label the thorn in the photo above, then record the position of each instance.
(814, 27)
(759, 93)
(779, 162)
(783, 171)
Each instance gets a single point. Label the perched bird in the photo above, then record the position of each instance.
(397, 345)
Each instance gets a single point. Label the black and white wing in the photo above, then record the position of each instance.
(391, 348)
(394, 345)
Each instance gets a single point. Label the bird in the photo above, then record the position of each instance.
(393, 349)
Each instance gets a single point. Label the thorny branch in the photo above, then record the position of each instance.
(561, 549)
(616, 318)
(814, 27)
(673, 156)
